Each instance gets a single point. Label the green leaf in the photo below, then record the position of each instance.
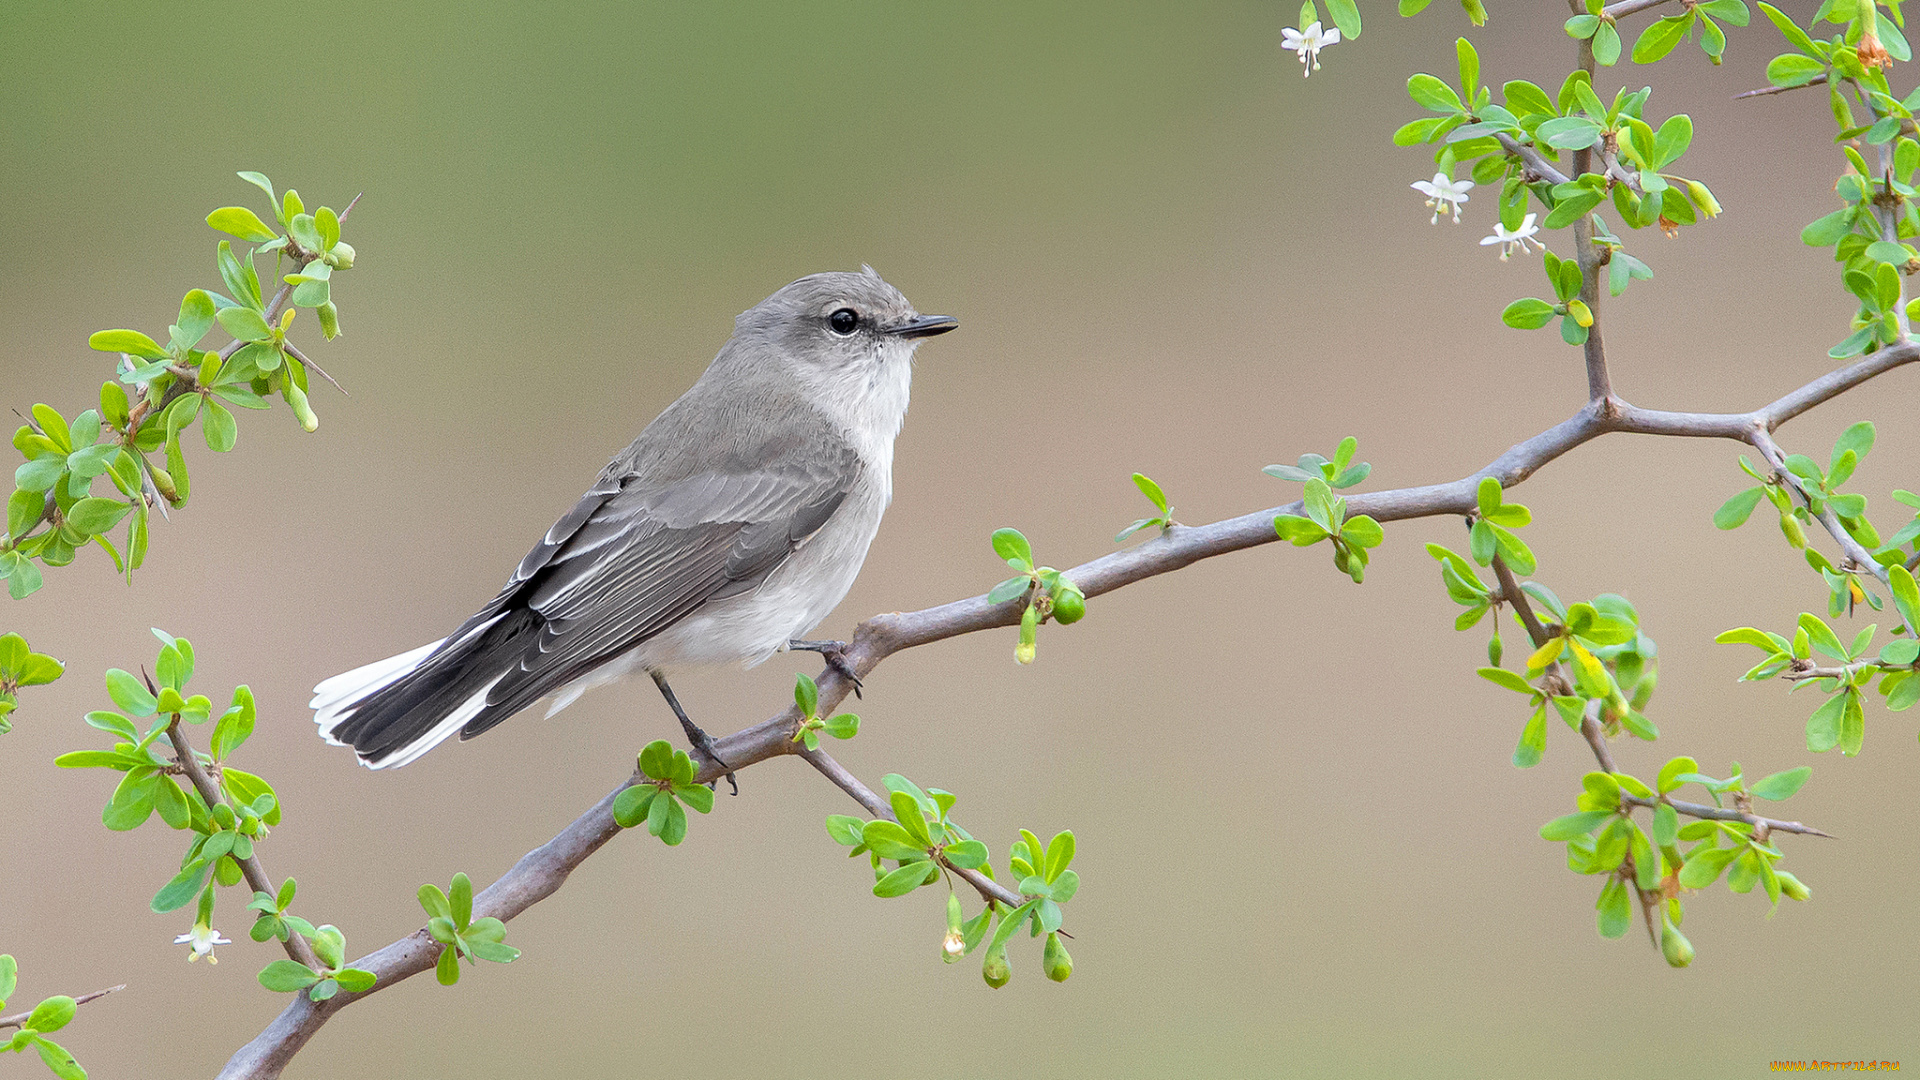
(51, 1014)
(129, 693)
(967, 854)
(845, 830)
(1616, 912)
(260, 181)
(1659, 39)
(1703, 867)
(656, 759)
(1568, 133)
(1823, 727)
(634, 804)
(1528, 314)
(1533, 740)
(286, 976)
(241, 222)
(127, 341)
(1504, 678)
(460, 901)
(93, 515)
(1782, 785)
(185, 885)
(9, 976)
(446, 970)
(806, 695)
(1734, 512)
(354, 980)
(1672, 140)
(1433, 94)
(1012, 546)
(1574, 825)
(905, 878)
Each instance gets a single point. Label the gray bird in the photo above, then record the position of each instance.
(733, 525)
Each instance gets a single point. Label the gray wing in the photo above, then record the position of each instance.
(631, 559)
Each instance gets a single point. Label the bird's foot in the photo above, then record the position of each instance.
(703, 745)
(702, 742)
(835, 654)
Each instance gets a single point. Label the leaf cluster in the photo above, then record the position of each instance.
(21, 666)
(1048, 592)
(1326, 513)
(333, 975)
(451, 923)
(50, 1015)
(661, 794)
(161, 389)
(806, 698)
(923, 840)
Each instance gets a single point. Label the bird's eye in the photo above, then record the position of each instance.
(844, 321)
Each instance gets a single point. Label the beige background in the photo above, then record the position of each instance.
(1304, 851)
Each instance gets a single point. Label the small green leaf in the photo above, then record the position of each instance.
(286, 976)
(241, 222)
(1782, 785)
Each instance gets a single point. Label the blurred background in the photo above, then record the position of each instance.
(1303, 848)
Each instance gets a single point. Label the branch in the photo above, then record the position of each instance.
(1624, 8)
(989, 889)
(256, 875)
(20, 1019)
(541, 872)
(1817, 80)
(1721, 813)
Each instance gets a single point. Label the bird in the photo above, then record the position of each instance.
(732, 526)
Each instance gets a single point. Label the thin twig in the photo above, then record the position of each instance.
(294, 350)
(20, 1019)
(256, 875)
(1817, 80)
(1624, 8)
(989, 889)
(1722, 813)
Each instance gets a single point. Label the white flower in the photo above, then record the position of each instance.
(1517, 238)
(1308, 43)
(1442, 190)
(203, 938)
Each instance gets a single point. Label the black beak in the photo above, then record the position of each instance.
(924, 326)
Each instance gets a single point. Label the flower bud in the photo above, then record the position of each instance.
(1703, 198)
(1793, 887)
(1069, 606)
(1790, 525)
(1029, 632)
(1494, 648)
(1055, 960)
(341, 257)
(1675, 946)
(995, 970)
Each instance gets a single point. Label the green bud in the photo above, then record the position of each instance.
(1793, 887)
(1029, 632)
(1495, 649)
(163, 483)
(954, 945)
(1698, 192)
(995, 970)
(1069, 606)
(1674, 945)
(1058, 964)
(329, 320)
(341, 257)
(1790, 525)
(297, 398)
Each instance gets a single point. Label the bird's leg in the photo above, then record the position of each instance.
(835, 654)
(702, 742)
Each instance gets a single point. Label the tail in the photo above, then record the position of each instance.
(396, 709)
